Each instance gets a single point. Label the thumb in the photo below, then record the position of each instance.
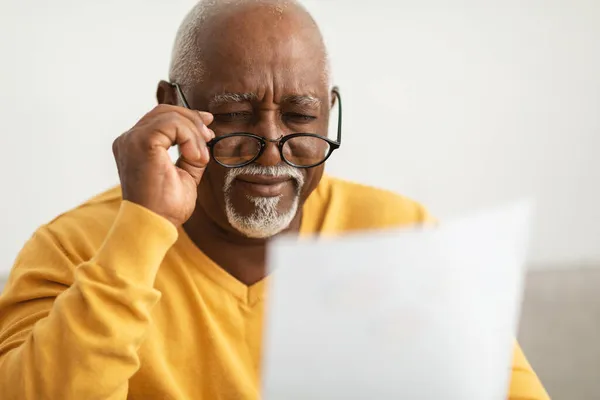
(193, 169)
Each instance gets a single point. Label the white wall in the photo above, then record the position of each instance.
(471, 104)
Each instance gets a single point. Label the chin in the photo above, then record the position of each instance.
(267, 216)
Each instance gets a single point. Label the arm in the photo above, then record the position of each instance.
(524, 383)
(81, 342)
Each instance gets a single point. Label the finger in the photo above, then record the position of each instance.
(200, 143)
(194, 170)
(200, 118)
(161, 123)
(198, 136)
(207, 117)
(171, 129)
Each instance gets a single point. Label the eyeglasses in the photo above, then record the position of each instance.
(300, 150)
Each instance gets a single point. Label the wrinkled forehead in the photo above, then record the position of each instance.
(252, 51)
(287, 64)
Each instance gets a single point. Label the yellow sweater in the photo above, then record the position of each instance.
(111, 301)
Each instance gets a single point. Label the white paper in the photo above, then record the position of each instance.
(409, 314)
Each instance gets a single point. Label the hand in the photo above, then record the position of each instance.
(148, 176)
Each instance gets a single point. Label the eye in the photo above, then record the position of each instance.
(299, 118)
(233, 116)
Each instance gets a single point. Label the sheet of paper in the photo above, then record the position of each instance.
(411, 314)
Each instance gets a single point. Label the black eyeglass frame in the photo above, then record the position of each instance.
(333, 144)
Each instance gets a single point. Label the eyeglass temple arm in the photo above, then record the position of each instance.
(336, 91)
(180, 94)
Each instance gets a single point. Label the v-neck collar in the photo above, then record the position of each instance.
(248, 295)
(312, 219)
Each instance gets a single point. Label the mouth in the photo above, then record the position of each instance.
(263, 185)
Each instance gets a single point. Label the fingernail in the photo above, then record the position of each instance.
(209, 133)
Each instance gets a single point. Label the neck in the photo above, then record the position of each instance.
(242, 257)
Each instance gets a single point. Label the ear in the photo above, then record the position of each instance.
(165, 93)
(333, 95)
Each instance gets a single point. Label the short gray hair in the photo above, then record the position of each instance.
(186, 57)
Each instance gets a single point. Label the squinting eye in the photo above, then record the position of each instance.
(233, 117)
(299, 117)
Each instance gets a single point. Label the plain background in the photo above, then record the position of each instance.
(459, 105)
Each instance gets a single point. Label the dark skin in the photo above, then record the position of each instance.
(272, 55)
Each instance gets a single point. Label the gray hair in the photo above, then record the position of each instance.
(186, 66)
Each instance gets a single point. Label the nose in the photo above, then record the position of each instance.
(268, 128)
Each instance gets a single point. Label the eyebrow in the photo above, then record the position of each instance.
(224, 98)
(302, 100)
(296, 99)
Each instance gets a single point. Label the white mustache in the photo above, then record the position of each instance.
(283, 170)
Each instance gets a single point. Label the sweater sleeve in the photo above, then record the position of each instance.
(72, 331)
(524, 383)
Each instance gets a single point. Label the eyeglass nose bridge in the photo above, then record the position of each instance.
(265, 141)
(273, 140)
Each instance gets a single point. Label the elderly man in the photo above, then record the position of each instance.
(155, 289)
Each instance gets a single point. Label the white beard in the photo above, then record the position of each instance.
(266, 220)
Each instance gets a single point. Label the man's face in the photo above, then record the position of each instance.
(267, 80)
